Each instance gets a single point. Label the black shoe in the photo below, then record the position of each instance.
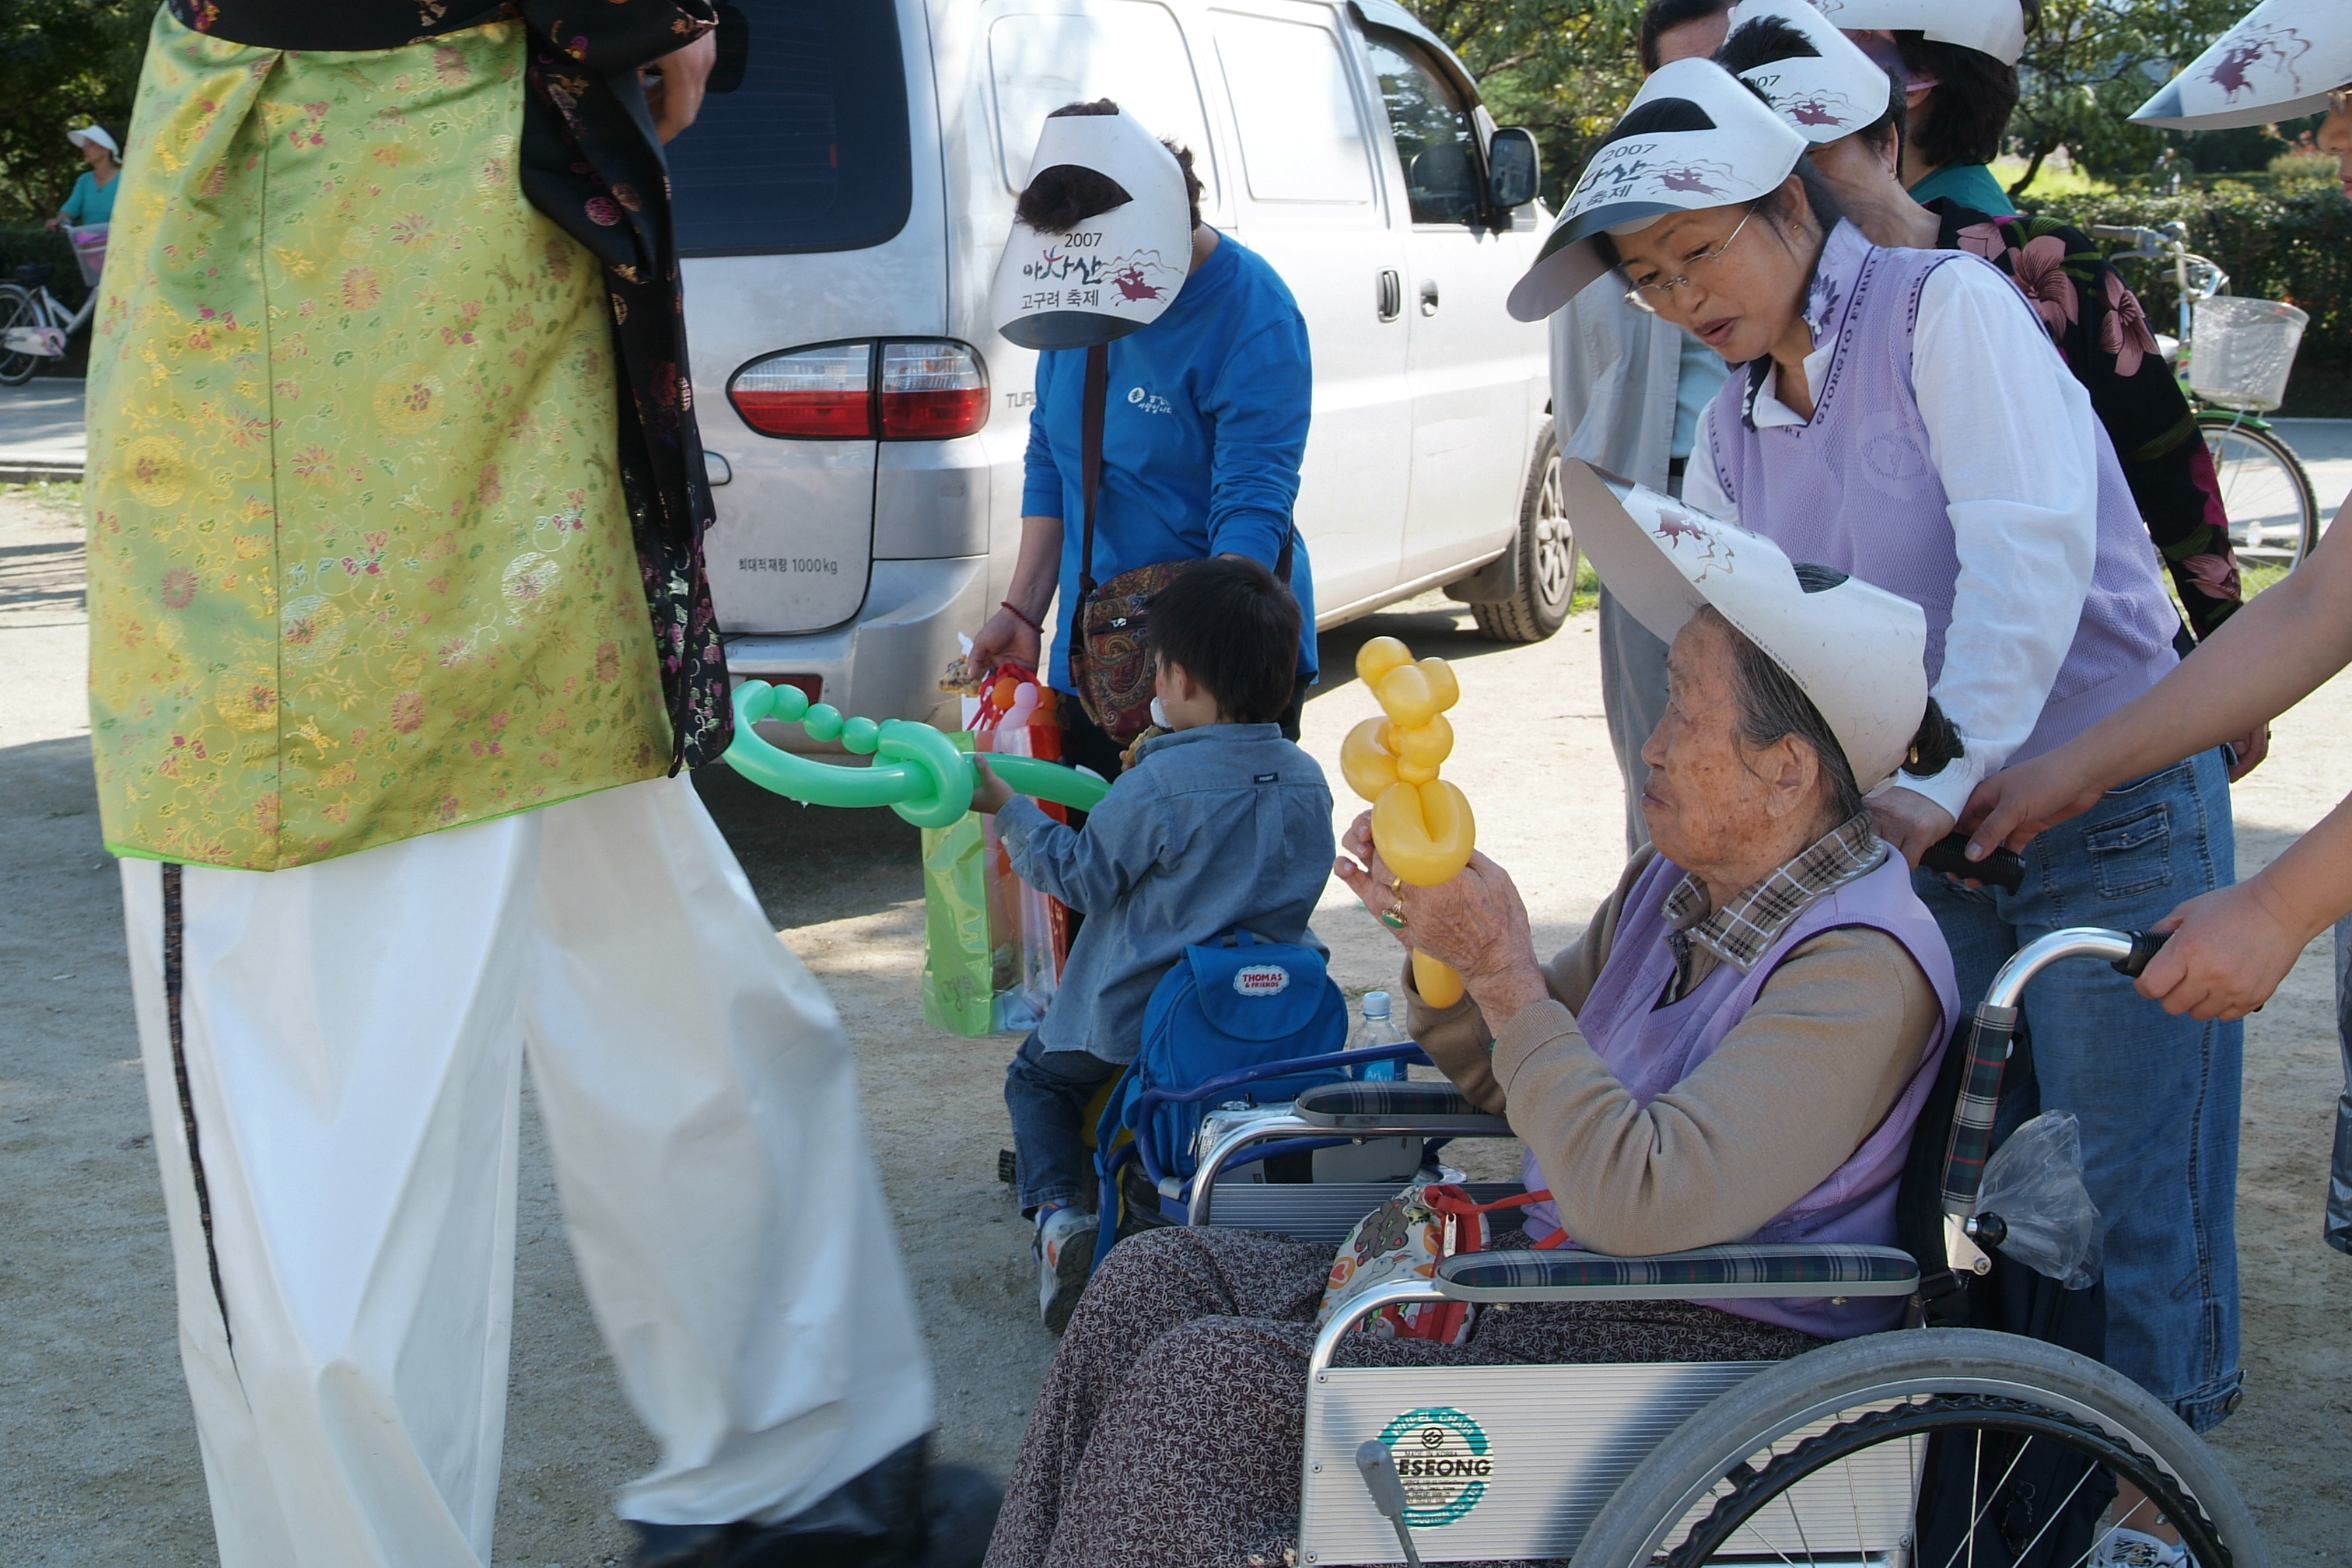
(902, 1513)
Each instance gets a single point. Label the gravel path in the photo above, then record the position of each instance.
(95, 1436)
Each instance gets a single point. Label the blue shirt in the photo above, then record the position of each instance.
(90, 203)
(1699, 375)
(1203, 433)
(1216, 827)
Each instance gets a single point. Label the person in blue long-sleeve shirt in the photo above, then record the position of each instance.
(1203, 433)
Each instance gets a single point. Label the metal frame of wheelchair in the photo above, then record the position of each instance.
(1539, 1460)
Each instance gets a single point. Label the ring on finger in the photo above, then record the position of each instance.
(1396, 884)
(1393, 916)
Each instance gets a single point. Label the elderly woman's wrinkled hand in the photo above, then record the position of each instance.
(1475, 921)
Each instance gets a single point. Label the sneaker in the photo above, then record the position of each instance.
(2131, 1549)
(1066, 1251)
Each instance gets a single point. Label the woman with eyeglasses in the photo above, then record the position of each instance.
(1901, 416)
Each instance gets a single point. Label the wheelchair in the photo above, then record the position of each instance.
(1921, 1446)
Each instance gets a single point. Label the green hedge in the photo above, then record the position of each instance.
(2293, 245)
(23, 242)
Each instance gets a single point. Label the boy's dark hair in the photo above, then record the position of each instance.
(1770, 39)
(1062, 197)
(1967, 112)
(1665, 15)
(1234, 629)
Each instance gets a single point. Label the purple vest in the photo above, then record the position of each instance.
(1856, 490)
(1649, 1049)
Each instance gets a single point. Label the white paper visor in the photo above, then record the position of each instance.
(1113, 273)
(1995, 27)
(1739, 150)
(1857, 652)
(2281, 60)
(1823, 96)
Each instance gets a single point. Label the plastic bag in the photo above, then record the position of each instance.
(959, 989)
(2034, 1183)
(1028, 932)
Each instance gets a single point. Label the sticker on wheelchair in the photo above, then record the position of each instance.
(1444, 1460)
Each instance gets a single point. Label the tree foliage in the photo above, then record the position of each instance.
(62, 63)
(2090, 62)
(1564, 69)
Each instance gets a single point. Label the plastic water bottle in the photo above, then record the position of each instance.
(1378, 1029)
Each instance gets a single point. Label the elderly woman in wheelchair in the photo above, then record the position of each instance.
(1737, 1048)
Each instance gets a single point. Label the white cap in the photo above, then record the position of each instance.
(95, 133)
(1995, 27)
(1858, 652)
(1115, 273)
(2281, 60)
(1743, 151)
(1824, 96)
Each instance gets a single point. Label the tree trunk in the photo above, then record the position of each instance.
(2031, 169)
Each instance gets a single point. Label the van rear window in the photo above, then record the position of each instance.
(801, 143)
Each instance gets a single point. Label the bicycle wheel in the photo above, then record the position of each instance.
(18, 309)
(1931, 1448)
(2267, 496)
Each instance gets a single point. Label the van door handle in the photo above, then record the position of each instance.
(1429, 296)
(1391, 296)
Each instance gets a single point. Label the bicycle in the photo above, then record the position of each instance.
(35, 323)
(2266, 493)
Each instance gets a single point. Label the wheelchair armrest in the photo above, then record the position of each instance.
(1398, 1107)
(1703, 1273)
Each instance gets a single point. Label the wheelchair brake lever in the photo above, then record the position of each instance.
(1381, 1480)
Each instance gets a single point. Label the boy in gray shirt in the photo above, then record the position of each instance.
(1221, 823)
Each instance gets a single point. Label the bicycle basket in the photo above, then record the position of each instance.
(90, 249)
(2242, 350)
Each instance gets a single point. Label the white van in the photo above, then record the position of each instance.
(842, 202)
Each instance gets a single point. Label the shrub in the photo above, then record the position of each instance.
(2292, 243)
(23, 242)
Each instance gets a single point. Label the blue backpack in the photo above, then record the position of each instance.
(1224, 1008)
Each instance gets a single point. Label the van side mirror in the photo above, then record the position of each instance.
(1513, 168)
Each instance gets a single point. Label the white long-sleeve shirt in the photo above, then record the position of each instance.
(2015, 443)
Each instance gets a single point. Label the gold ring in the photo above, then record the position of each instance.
(1393, 916)
(1396, 884)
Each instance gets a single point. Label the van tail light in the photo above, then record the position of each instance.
(931, 391)
(894, 391)
(820, 394)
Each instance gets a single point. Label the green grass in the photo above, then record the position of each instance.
(2049, 183)
(60, 497)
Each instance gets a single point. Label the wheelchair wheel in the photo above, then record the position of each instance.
(1934, 1448)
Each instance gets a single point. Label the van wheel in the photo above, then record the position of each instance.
(1546, 547)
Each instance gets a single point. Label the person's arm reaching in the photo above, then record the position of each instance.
(2012, 438)
(1015, 631)
(1089, 870)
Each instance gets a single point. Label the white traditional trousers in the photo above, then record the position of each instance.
(333, 1058)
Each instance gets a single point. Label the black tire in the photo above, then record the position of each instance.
(2272, 509)
(1732, 1461)
(1547, 548)
(18, 309)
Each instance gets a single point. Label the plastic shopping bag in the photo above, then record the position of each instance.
(959, 975)
(1028, 932)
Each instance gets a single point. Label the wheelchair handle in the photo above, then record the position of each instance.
(1987, 1038)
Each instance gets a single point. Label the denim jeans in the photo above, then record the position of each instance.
(1047, 1093)
(2157, 1096)
(2338, 1222)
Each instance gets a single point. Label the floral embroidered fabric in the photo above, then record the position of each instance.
(361, 555)
(2103, 335)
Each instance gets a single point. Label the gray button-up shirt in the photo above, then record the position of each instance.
(1221, 825)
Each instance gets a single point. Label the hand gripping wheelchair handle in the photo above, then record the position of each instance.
(1986, 1041)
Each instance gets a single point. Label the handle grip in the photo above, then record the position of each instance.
(2003, 868)
(2144, 946)
(1381, 1480)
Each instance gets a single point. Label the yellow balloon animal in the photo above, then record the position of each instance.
(1421, 824)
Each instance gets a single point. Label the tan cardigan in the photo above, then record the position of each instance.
(1800, 1080)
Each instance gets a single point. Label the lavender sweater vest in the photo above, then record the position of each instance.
(1856, 490)
(1649, 1049)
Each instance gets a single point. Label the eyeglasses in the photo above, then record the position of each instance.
(1651, 295)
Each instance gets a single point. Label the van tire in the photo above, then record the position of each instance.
(1548, 557)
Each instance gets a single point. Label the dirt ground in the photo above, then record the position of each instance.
(96, 1442)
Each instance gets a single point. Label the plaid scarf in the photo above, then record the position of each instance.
(1744, 930)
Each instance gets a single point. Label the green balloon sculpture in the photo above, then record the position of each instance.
(918, 771)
